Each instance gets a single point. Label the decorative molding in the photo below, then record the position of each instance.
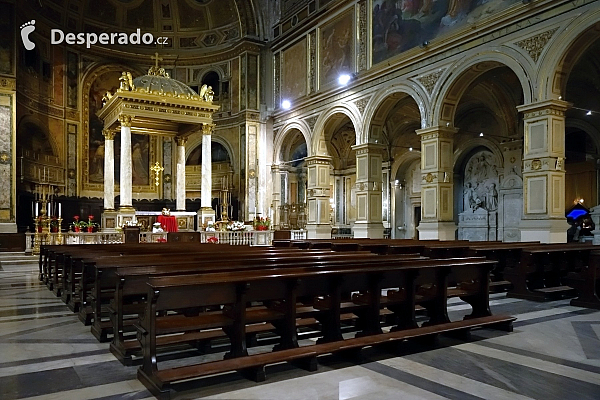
(361, 103)
(534, 45)
(428, 81)
(8, 83)
(277, 79)
(312, 60)
(207, 129)
(181, 141)
(311, 121)
(362, 36)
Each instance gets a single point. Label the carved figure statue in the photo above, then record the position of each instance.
(492, 198)
(206, 93)
(130, 81)
(107, 96)
(124, 82)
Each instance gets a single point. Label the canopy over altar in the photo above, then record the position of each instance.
(155, 104)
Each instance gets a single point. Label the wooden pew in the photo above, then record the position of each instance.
(541, 270)
(586, 282)
(236, 290)
(132, 283)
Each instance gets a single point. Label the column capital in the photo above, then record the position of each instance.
(319, 159)
(181, 141)
(275, 168)
(434, 132)
(108, 134)
(125, 120)
(207, 129)
(369, 148)
(543, 108)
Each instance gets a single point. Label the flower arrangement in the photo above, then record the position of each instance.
(54, 224)
(90, 225)
(212, 239)
(210, 227)
(157, 227)
(236, 226)
(161, 240)
(77, 224)
(262, 224)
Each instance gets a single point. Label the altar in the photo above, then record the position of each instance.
(184, 219)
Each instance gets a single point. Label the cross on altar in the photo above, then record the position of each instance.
(156, 59)
(157, 169)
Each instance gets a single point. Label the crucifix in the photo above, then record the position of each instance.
(156, 59)
(157, 169)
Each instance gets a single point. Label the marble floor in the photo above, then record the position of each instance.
(553, 354)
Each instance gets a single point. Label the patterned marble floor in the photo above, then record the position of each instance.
(553, 354)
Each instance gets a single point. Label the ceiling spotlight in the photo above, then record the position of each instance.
(481, 134)
(588, 113)
(410, 149)
(344, 79)
(286, 104)
(425, 43)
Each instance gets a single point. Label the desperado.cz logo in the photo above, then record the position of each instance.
(57, 36)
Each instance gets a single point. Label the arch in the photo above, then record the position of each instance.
(403, 162)
(457, 78)
(376, 102)
(283, 134)
(466, 147)
(585, 126)
(43, 127)
(318, 143)
(195, 140)
(564, 52)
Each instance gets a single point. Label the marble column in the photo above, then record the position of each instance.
(437, 204)
(109, 169)
(276, 178)
(318, 222)
(369, 224)
(544, 172)
(205, 201)
(180, 196)
(126, 163)
(206, 213)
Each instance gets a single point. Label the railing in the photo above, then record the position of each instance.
(149, 237)
(298, 234)
(70, 238)
(238, 238)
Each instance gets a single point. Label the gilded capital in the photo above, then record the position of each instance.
(108, 134)
(207, 129)
(125, 120)
(181, 141)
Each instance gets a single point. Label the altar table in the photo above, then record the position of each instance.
(168, 222)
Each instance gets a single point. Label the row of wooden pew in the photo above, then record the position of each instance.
(527, 270)
(169, 295)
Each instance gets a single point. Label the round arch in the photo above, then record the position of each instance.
(464, 72)
(563, 53)
(465, 148)
(318, 143)
(195, 140)
(35, 121)
(375, 104)
(284, 133)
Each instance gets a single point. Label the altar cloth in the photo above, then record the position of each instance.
(168, 222)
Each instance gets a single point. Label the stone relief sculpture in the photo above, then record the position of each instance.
(481, 182)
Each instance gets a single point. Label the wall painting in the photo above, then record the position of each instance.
(336, 45)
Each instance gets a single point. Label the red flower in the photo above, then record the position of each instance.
(90, 217)
(212, 239)
(76, 217)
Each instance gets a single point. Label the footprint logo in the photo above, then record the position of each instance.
(26, 29)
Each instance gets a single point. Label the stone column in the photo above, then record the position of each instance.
(369, 157)
(206, 212)
(437, 204)
(109, 169)
(276, 178)
(180, 196)
(126, 163)
(318, 223)
(543, 172)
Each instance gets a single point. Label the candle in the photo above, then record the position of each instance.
(36, 209)
(59, 210)
(49, 209)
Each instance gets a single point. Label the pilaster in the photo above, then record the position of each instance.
(437, 210)
(318, 220)
(543, 172)
(180, 188)
(276, 178)
(369, 157)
